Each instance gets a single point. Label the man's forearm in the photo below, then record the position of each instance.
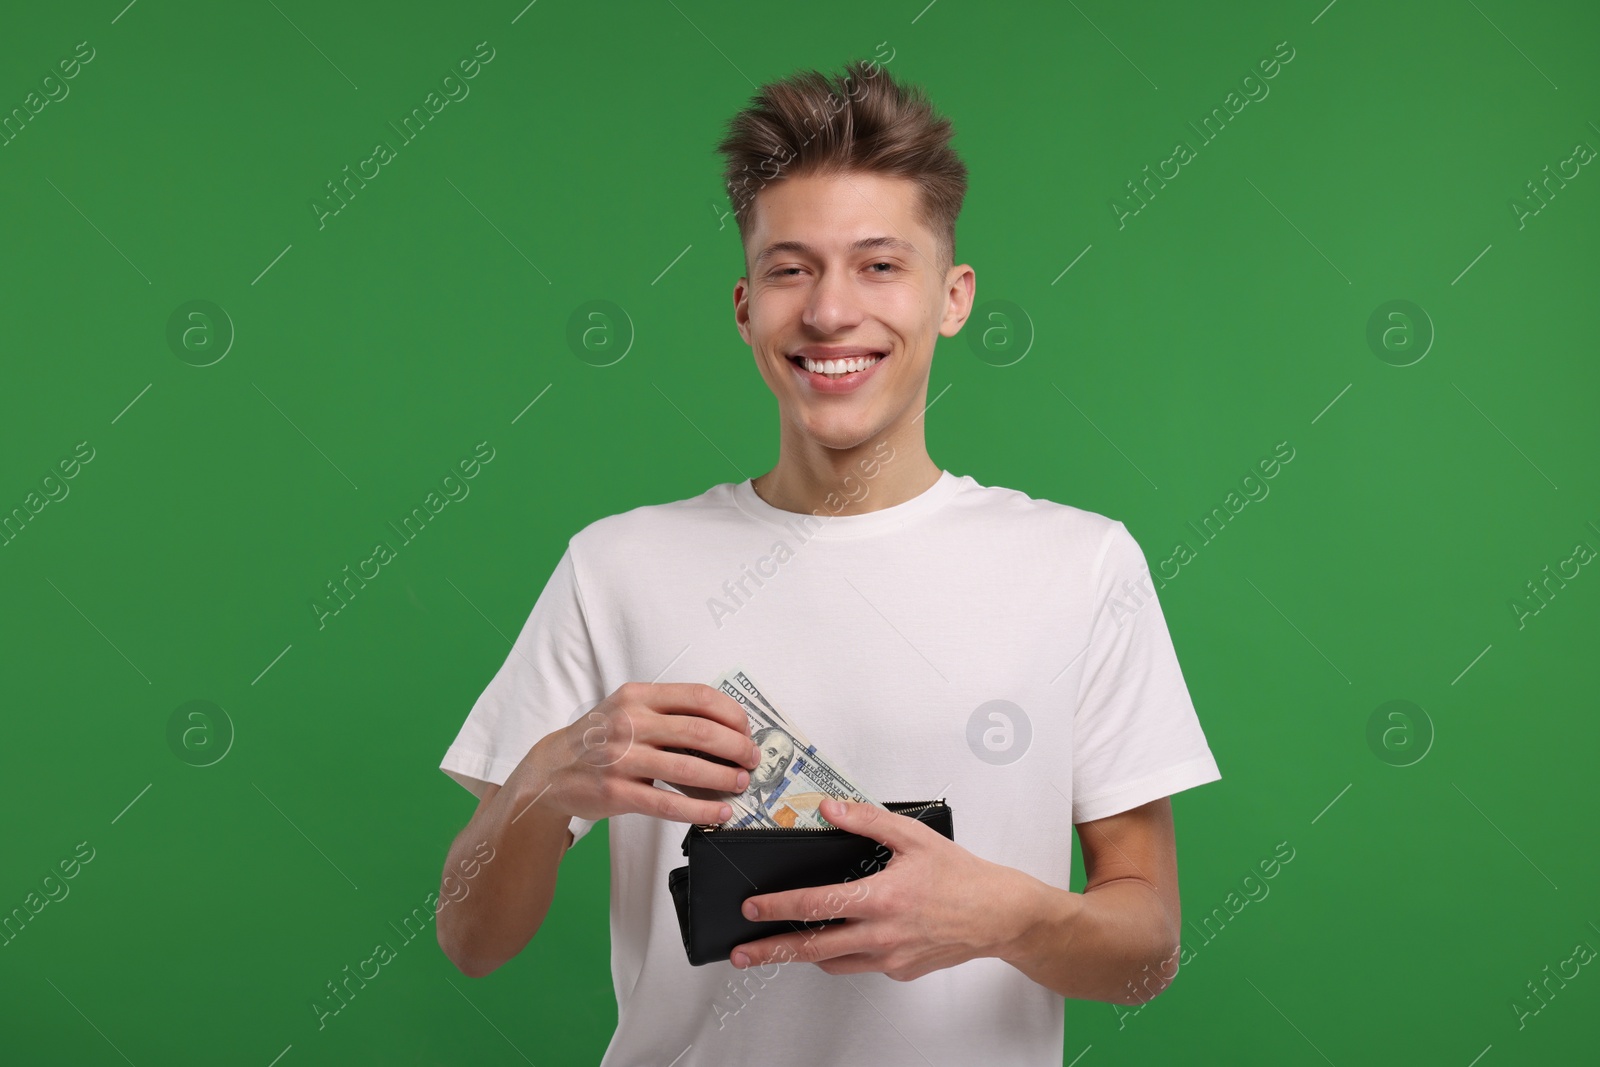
(1113, 943)
(506, 902)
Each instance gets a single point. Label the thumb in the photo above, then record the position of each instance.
(869, 820)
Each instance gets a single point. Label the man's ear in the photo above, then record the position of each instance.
(741, 308)
(961, 289)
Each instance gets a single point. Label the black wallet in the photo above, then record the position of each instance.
(727, 865)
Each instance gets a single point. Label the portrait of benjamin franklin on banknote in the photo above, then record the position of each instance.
(777, 752)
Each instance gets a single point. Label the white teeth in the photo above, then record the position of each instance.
(835, 367)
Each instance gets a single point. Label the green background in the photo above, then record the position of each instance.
(372, 353)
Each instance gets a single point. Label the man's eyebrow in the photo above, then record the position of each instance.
(801, 248)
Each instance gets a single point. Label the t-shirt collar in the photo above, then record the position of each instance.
(823, 523)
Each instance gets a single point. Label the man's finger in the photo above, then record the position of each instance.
(697, 734)
(811, 946)
(687, 769)
(900, 832)
(673, 806)
(697, 698)
(854, 963)
(841, 900)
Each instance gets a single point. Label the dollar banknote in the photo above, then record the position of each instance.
(793, 778)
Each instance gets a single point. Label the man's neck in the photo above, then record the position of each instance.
(870, 477)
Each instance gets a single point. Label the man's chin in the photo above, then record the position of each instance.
(841, 436)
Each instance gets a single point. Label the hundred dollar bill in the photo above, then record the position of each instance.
(792, 780)
(819, 771)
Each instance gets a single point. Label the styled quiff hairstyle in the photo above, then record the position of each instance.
(863, 121)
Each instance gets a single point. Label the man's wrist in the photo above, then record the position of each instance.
(1043, 921)
(527, 791)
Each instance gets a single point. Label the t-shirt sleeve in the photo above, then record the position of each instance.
(548, 679)
(1136, 737)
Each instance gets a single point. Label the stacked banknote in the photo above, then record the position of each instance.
(793, 778)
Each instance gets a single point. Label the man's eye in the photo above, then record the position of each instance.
(889, 265)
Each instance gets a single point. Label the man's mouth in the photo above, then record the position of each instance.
(838, 368)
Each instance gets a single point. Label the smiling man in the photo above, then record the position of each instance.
(935, 636)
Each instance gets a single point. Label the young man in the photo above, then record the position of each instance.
(932, 636)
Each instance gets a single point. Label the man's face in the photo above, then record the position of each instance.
(842, 266)
(776, 752)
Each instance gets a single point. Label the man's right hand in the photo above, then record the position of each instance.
(604, 764)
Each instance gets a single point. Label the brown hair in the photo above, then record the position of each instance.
(869, 123)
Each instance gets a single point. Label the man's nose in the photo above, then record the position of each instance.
(833, 306)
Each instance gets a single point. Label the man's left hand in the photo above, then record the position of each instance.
(934, 906)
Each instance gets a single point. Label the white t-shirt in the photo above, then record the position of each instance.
(886, 636)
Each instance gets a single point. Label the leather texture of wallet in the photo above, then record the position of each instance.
(726, 866)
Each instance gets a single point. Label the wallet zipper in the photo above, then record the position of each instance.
(707, 828)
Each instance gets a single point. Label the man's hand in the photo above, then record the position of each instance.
(603, 764)
(934, 906)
